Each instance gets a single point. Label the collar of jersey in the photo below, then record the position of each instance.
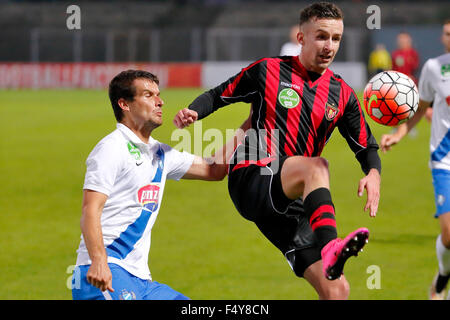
(301, 68)
(130, 135)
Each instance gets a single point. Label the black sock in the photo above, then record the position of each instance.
(320, 210)
(441, 283)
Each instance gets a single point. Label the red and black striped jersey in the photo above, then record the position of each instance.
(296, 111)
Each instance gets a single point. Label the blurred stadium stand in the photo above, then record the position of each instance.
(197, 30)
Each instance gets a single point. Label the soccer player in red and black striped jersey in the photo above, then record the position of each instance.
(277, 178)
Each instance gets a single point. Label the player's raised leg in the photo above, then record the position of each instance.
(309, 178)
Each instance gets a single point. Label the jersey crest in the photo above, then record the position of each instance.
(330, 111)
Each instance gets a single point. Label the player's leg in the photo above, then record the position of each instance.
(125, 285)
(305, 257)
(285, 232)
(129, 287)
(158, 291)
(338, 289)
(444, 221)
(260, 198)
(307, 263)
(309, 178)
(81, 288)
(441, 183)
(301, 175)
(440, 281)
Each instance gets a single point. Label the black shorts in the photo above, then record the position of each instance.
(257, 194)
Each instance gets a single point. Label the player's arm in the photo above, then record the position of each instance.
(201, 107)
(215, 167)
(357, 133)
(388, 140)
(239, 88)
(99, 274)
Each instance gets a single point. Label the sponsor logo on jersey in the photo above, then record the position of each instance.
(148, 196)
(290, 85)
(445, 70)
(288, 98)
(330, 111)
(135, 153)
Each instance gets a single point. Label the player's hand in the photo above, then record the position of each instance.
(184, 118)
(99, 275)
(387, 141)
(371, 183)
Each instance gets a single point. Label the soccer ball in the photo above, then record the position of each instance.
(391, 98)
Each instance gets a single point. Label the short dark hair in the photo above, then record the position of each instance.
(320, 10)
(121, 86)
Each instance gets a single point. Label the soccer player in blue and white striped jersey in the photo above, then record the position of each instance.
(122, 193)
(434, 88)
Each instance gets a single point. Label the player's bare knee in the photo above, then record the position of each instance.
(322, 163)
(319, 168)
(296, 171)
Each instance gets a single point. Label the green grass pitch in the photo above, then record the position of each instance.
(201, 246)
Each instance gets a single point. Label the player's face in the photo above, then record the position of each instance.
(320, 40)
(446, 37)
(146, 108)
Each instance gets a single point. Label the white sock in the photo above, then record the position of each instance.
(443, 255)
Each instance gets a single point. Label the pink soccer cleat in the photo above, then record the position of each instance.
(337, 251)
